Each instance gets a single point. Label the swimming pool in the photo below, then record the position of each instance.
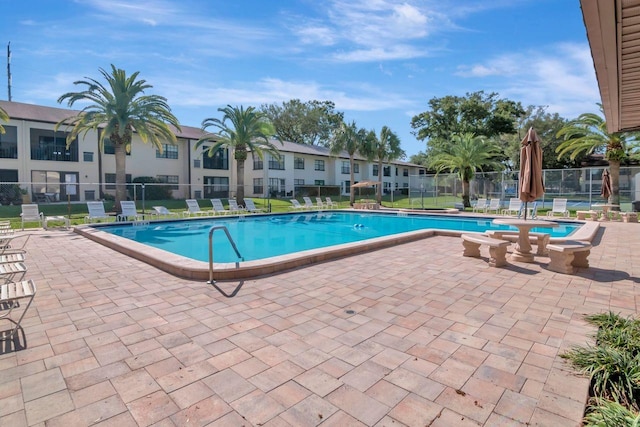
(270, 243)
(260, 237)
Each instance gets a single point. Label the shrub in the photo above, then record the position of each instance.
(156, 191)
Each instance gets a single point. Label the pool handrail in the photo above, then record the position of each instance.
(233, 244)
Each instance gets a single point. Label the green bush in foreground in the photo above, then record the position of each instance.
(613, 365)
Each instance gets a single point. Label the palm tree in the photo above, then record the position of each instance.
(384, 148)
(120, 108)
(4, 117)
(249, 130)
(466, 154)
(352, 140)
(588, 134)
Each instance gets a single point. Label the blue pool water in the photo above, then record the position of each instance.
(259, 237)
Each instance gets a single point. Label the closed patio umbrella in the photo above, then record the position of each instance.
(531, 183)
(605, 192)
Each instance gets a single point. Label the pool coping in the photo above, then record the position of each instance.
(199, 270)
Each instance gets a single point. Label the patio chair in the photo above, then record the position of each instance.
(129, 211)
(234, 207)
(10, 296)
(163, 211)
(308, 204)
(514, 208)
(319, 203)
(96, 212)
(331, 204)
(12, 271)
(295, 205)
(8, 244)
(559, 207)
(480, 206)
(494, 205)
(251, 206)
(218, 207)
(193, 208)
(31, 213)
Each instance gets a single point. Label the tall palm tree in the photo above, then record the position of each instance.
(466, 154)
(352, 140)
(247, 130)
(588, 134)
(384, 148)
(4, 117)
(120, 108)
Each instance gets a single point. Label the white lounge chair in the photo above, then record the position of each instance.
(193, 208)
(31, 213)
(514, 208)
(251, 206)
(234, 207)
(295, 205)
(218, 207)
(9, 246)
(480, 206)
(129, 211)
(308, 204)
(494, 206)
(331, 204)
(163, 211)
(319, 203)
(11, 294)
(96, 212)
(559, 207)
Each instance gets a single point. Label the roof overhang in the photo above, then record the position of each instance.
(613, 30)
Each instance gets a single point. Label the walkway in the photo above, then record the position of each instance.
(413, 335)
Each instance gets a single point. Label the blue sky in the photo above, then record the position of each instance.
(380, 61)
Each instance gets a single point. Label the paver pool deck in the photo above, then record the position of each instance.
(412, 335)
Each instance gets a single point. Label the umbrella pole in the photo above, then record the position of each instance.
(525, 211)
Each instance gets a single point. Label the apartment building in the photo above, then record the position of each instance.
(33, 154)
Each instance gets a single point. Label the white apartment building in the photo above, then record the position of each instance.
(32, 153)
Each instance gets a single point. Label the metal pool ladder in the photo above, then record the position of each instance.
(233, 244)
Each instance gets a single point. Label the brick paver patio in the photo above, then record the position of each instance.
(414, 335)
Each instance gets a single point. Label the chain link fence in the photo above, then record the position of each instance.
(581, 187)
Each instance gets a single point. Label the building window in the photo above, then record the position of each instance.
(170, 179)
(219, 160)
(319, 165)
(405, 172)
(169, 151)
(50, 145)
(196, 163)
(87, 156)
(298, 163)
(9, 143)
(277, 187)
(298, 182)
(345, 167)
(216, 187)
(258, 186)
(386, 170)
(258, 164)
(375, 170)
(110, 180)
(276, 164)
(396, 171)
(318, 182)
(49, 186)
(356, 168)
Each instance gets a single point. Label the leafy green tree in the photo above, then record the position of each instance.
(466, 154)
(120, 108)
(478, 113)
(352, 140)
(4, 117)
(311, 122)
(547, 126)
(242, 131)
(588, 134)
(384, 148)
(419, 159)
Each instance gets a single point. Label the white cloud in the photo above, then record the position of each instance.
(560, 76)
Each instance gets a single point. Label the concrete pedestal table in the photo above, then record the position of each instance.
(522, 251)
